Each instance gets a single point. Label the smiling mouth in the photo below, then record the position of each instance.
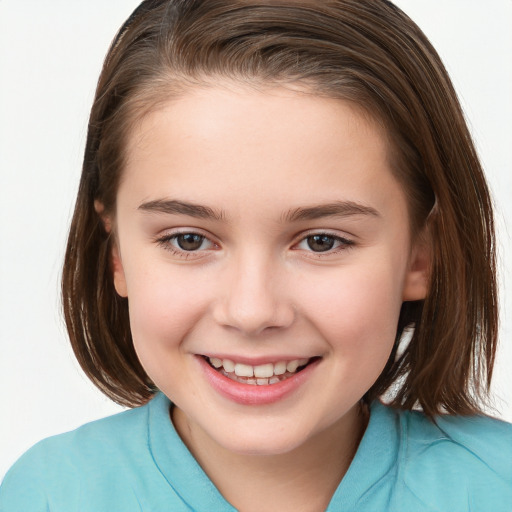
(261, 375)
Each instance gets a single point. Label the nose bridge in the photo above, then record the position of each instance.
(255, 298)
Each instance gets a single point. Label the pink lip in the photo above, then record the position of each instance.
(247, 394)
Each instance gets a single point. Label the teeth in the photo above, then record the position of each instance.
(292, 366)
(264, 371)
(243, 370)
(229, 366)
(280, 368)
(261, 375)
(216, 363)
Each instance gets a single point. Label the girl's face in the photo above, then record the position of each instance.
(259, 231)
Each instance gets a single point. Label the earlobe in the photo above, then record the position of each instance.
(418, 275)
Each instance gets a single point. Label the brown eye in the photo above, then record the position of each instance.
(189, 241)
(187, 244)
(320, 243)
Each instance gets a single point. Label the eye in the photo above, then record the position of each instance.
(323, 242)
(186, 243)
(320, 243)
(189, 241)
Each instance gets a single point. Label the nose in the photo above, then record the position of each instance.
(254, 298)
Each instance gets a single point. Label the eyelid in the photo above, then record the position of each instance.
(185, 230)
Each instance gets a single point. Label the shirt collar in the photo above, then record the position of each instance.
(177, 464)
(375, 458)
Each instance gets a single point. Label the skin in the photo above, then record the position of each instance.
(255, 288)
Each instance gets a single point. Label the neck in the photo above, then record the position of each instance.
(301, 480)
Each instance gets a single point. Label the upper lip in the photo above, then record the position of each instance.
(257, 361)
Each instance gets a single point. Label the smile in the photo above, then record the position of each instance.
(246, 384)
(261, 375)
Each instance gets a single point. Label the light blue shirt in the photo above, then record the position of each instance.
(135, 461)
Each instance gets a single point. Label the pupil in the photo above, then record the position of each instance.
(320, 243)
(190, 241)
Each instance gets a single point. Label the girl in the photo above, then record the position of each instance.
(281, 219)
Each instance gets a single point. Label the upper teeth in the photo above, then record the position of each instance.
(262, 371)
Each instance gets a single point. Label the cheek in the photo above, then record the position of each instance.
(356, 311)
(164, 306)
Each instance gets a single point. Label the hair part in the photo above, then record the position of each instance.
(367, 52)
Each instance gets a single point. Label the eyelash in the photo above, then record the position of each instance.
(166, 242)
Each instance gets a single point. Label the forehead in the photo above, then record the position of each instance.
(232, 144)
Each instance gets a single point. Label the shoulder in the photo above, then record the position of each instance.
(104, 437)
(61, 467)
(484, 442)
(457, 463)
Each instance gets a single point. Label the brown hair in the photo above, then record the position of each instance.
(365, 51)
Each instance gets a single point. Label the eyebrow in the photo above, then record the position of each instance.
(336, 209)
(174, 207)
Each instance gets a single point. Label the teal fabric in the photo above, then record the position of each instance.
(135, 461)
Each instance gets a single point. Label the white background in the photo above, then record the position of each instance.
(50, 57)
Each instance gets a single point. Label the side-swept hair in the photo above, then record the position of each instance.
(365, 51)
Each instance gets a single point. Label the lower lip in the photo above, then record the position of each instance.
(250, 394)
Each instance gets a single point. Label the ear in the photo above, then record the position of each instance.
(116, 264)
(105, 219)
(418, 274)
(118, 270)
